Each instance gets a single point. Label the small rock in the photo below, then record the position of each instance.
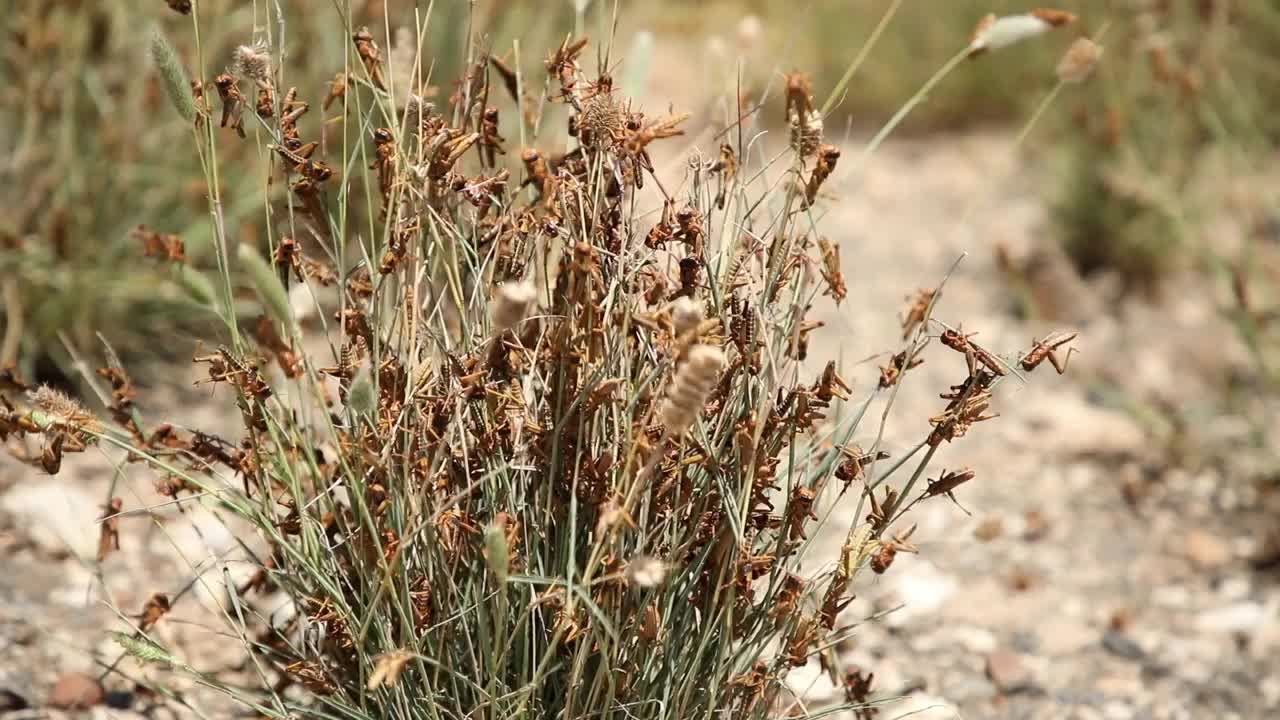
(923, 707)
(1206, 550)
(76, 691)
(1270, 688)
(1078, 697)
(1087, 431)
(1171, 596)
(1061, 636)
(811, 681)
(1121, 645)
(1024, 641)
(1008, 672)
(1238, 617)
(1235, 588)
(1036, 526)
(11, 700)
(1116, 710)
(56, 516)
(972, 638)
(920, 587)
(1123, 682)
(989, 529)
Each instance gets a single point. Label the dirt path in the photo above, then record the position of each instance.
(1077, 606)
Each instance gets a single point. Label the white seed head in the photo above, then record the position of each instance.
(511, 303)
(686, 315)
(994, 33)
(690, 387)
(1078, 63)
(806, 133)
(252, 61)
(646, 571)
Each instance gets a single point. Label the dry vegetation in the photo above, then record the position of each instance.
(525, 428)
(511, 443)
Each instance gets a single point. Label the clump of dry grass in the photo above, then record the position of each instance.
(565, 457)
(1179, 93)
(80, 175)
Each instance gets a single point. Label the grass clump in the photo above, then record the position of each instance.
(1183, 85)
(81, 174)
(558, 452)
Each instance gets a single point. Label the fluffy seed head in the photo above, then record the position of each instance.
(994, 33)
(172, 76)
(511, 304)
(689, 390)
(686, 314)
(267, 284)
(806, 133)
(1079, 61)
(62, 409)
(646, 571)
(252, 61)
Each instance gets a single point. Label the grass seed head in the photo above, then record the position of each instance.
(511, 304)
(253, 62)
(172, 75)
(689, 390)
(496, 551)
(62, 410)
(1078, 63)
(686, 315)
(646, 571)
(267, 284)
(996, 33)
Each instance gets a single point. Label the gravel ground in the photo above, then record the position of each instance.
(1104, 582)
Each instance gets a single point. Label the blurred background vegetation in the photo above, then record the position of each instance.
(91, 150)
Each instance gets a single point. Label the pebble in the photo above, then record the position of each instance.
(1237, 617)
(1078, 697)
(1008, 672)
(1094, 431)
(1061, 636)
(1036, 526)
(1121, 645)
(1270, 689)
(1125, 682)
(1116, 710)
(923, 707)
(1171, 596)
(920, 587)
(989, 529)
(1206, 550)
(57, 516)
(76, 691)
(11, 700)
(1235, 588)
(811, 681)
(974, 639)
